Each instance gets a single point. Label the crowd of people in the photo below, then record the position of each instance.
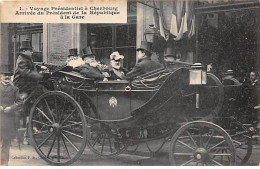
(14, 95)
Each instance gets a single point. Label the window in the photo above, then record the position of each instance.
(34, 33)
(107, 38)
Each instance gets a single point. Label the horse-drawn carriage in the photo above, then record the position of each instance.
(115, 116)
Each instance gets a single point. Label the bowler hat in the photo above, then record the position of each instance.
(26, 44)
(5, 70)
(147, 46)
(87, 51)
(73, 52)
(169, 52)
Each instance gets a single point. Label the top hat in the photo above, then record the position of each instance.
(116, 56)
(87, 51)
(26, 45)
(170, 52)
(5, 70)
(73, 52)
(147, 46)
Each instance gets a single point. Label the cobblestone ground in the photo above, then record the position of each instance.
(27, 156)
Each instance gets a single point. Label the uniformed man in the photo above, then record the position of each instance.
(91, 68)
(116, 71)
(145, 63)
(9, 103)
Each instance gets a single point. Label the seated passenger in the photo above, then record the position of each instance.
(145, 63)
(116, 71)
(73, 59)
(91, 68)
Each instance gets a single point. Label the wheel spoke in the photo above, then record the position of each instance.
(69, 125)
(187, 162)
(68, 116)
(214, 161)
(63, 108)
(110, 145)
(36, 121)
(183, 154)
(58, 150)
(44, 141)
(238, 157)
(73, 134)
(52, 144)
(96, 140)
(221, 154)
(42, 132)
(49, 110)
(65, 147)
(216, 145)
(195, 144)
(44, 114)
(209, 138)
(103, 143)
(73, 145)
(201, 143)
(185, 145)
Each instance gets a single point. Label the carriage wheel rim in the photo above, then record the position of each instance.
(198, 154)
(60, 139)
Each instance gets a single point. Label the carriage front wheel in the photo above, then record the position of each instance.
(57, 128)
(201, 143)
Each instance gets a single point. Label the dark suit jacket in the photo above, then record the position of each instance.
(144, 66)
(26, 75)
(9, 97)
(114, 76)
(90, 72)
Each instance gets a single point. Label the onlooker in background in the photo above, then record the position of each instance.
(116, 71)
(9, 103)
(254, 100)
(145, 63)
(250, 96)
(26, 78)
(91, 68)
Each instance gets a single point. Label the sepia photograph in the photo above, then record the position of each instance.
(130, 83)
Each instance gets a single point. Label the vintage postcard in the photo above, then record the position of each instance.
(129, 82)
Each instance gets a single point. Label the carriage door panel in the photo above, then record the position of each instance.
(113, 100)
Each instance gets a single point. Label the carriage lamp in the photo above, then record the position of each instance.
(197, 75)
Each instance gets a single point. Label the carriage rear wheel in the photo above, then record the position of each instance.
(201, 143)
(104, 141)
(242, 141)
(57, 128)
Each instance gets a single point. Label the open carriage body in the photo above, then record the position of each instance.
(113, 115)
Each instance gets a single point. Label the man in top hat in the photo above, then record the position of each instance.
(73, 54)
(116, 71)
(73, 59)
(91, 68)
(26, 77)
(145, 63)
(170, 55)
(9, 103)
